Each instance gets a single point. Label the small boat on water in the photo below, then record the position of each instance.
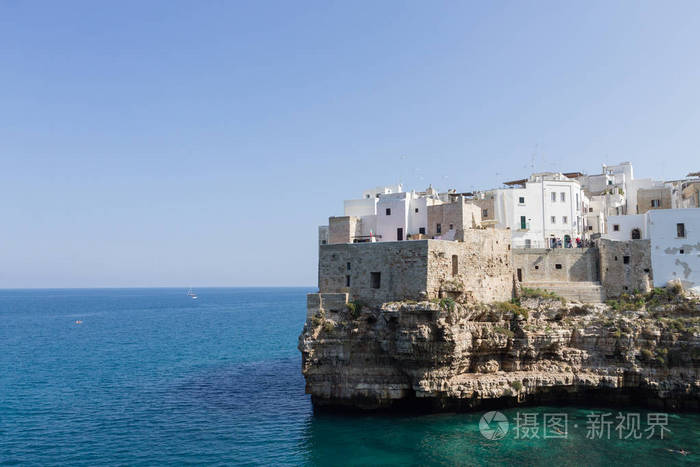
(191, 294)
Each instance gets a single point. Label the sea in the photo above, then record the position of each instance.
(152, 377)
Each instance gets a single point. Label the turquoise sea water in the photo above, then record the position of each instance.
(153, 377)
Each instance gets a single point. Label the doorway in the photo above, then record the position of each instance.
(399, 234)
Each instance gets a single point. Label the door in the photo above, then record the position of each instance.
(399, 234)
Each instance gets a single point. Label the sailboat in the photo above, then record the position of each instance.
(191, 294)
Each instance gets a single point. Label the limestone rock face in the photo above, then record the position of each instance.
(436, 356)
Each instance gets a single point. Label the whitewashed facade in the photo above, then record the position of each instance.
(675, 242)
(545, 208)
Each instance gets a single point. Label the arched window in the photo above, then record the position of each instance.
(636, 235)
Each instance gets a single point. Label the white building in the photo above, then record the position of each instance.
(675, 242)
(540, 210)
(390, 214)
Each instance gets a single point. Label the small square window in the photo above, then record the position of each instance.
(388, 211)
(347, 281)
(655, 203)
(626, 259)
(616, 227)
(553, 219)
(564, 220)
(348, 266)
(375, 279)
(416, 209)
(438, 228)
(680, 230)
(421, 230)
(554, 197)
(562, 197)
(590, 209)
(682, 251)
(521, 200)
(452, 226)
(485, 213)
(558, 266)
(590, 227)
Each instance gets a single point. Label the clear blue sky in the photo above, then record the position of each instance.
(173, 143)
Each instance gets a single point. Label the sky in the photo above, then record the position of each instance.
(201, 143)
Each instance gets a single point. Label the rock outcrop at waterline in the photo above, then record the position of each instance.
(446, 355)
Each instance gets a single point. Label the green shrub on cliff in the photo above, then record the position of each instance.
(509, 307)
(354, 308)
(447, 304)
(516, 385)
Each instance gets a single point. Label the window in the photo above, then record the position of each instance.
(558, 266)
(562, 196)
(680, 230)
(554, 197)
(416, 209)
(399, 234)
(636, 235)
(682, 251)
(528, 244)
(521, 200)
(452, 226)
(368, 196)
(626, 260)
(523, 223)
(655, 203)
(553, 219)
(520, 275)
(616, 227)
(421, 230)
(348, 266)
(438, 228)
(375, 279)
(590, 227)
(564, 220)
(347, 281)
(590, 209)
(455, 265)
(388, 211)
(576, 199)
(323, 242)
(484, 213)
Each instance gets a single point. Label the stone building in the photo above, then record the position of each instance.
(653, 198)
(625, 266)
(450, 220)
(479, 268)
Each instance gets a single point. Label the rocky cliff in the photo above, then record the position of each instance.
(641, 349)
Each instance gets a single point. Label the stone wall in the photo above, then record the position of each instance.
(329, 303)
(558, 264)
(458, 214)
(625, 266)
(343, 229)
(479, 269)
(401, 267)
(645, 195)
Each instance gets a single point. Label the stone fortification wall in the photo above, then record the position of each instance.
(479, 269)
(558, 264)
(625, 266)
(398, 269)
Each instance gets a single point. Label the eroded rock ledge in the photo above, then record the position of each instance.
(451, 356)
